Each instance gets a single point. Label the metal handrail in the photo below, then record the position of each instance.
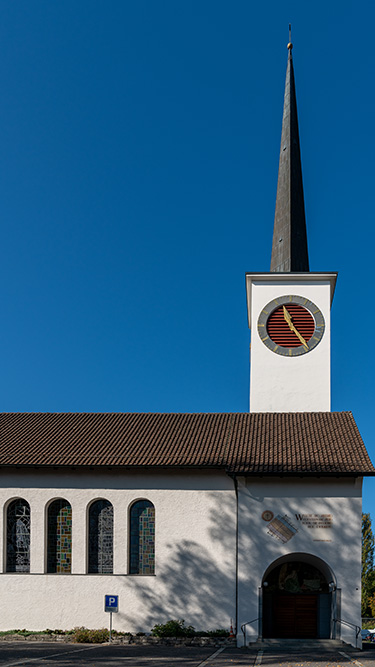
(335, 620)
(243, 628)
(352, 625)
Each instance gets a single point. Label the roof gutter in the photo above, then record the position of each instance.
(191, 467)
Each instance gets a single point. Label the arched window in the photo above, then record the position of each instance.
(18, 536)
(101, 537)
(142, 538)
(59, 540)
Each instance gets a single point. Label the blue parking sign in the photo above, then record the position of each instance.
(111, 603)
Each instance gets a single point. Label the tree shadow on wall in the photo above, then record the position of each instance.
(191, 586)
(198, 583)
(194, 582)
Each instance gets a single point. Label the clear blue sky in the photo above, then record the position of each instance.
(138, 167)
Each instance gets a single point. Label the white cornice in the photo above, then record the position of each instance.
(287, 279)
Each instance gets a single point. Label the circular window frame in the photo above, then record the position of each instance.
(314, 311)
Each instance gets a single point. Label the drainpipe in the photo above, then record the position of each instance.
(234, 478)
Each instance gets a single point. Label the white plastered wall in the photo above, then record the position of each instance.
(289, 384)
(338, 544)
(195, 552)
(195, 548)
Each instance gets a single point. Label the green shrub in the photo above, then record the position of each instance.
(219, 632)
(27, 633)
(173, 629)
(86, 636)
(368, 624)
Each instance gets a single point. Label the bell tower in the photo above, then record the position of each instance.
(289, 307)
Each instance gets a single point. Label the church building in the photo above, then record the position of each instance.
(249, 518)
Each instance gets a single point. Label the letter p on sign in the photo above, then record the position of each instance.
(111, 603)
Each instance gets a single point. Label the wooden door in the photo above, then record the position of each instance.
(295, 616)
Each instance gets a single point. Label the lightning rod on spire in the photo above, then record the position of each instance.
(290, 45)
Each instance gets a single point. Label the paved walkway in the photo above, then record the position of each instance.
(340, 656)
(56, 655)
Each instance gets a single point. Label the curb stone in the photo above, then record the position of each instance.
(147, 640)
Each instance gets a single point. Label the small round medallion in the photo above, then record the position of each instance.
(267, 515)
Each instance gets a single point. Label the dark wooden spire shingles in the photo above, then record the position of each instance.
(289, 246)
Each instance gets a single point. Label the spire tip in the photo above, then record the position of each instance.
(290, 45)
(289, 245)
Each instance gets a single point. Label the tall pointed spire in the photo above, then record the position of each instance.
(289, 246)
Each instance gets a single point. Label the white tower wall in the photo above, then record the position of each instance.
(289, 384)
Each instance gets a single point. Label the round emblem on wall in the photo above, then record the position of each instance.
(291, 325)
(267, 515)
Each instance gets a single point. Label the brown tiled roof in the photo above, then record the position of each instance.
(258, 443)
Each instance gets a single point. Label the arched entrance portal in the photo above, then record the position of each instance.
(297, 598)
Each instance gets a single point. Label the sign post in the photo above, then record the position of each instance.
(111, 605)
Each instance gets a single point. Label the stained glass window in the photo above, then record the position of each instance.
(18, 536)
(296, 577)
(101, 537)
(142, 538)
(59, 541)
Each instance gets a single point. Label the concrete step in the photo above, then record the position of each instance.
(300, 645)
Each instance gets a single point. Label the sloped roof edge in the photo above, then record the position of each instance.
(304, 443)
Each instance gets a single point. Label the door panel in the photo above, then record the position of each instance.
(295, 616)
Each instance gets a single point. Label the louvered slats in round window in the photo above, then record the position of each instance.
(278, 328)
